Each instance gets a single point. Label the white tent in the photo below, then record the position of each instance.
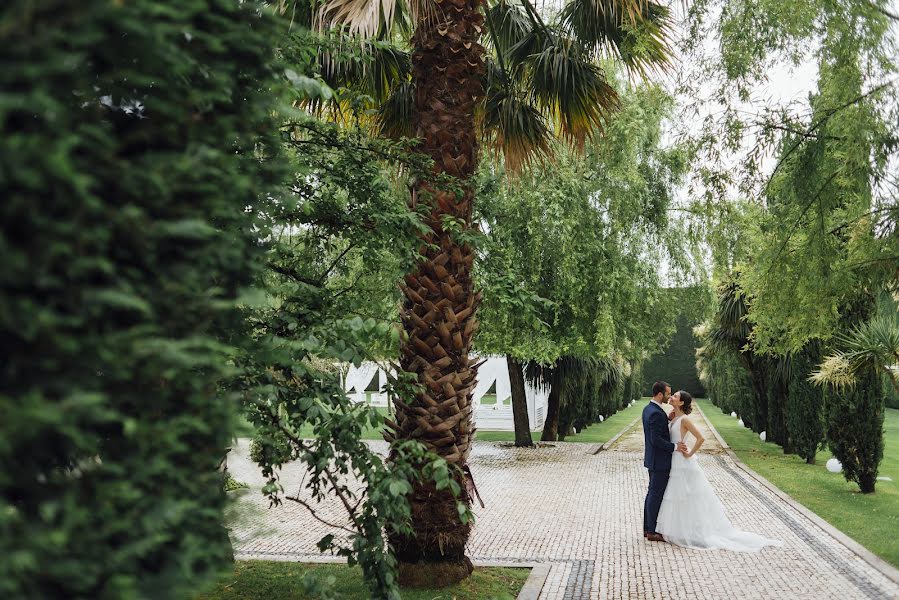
(492, 374)
(366, 375)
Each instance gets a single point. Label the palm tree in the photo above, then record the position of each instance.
(872, 345)
(534, 82)
(731, 331)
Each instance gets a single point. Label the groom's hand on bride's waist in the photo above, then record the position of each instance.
(681, 447)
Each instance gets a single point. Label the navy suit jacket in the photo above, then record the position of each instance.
(657, 438)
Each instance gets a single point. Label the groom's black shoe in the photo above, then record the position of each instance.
(655, 537)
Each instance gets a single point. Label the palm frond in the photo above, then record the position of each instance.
(509, 25)
(395, 115)
(730, 319)
(873, 344)
(568, 85)
(511, 125)
(364, 18)
(702, 330)
(633, 31)
(376, 72)
(384, 67)
(835, 370)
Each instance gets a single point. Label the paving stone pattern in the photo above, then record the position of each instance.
(582, 513)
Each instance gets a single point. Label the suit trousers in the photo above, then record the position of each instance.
(658, 481)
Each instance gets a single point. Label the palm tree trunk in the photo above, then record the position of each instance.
(519, 404)
(438, 314)
(553, 405)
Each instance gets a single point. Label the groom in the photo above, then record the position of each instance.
(657, 457)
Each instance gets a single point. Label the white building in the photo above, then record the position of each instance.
(492, 396)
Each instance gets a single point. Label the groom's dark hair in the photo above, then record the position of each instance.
(659, 388)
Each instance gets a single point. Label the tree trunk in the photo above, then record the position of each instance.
(551, 424)
(519, 404)
(438, 314)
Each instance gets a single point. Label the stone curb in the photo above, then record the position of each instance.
(609, 444)
(885, 568)
(533, 585)
(531, 589)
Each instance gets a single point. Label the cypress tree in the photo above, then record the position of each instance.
(805, 406)
(855, 429)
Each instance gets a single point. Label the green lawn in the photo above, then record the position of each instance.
(599, 433)
(870, 519)
(261, 580)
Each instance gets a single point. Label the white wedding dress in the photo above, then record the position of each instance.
(691, 514)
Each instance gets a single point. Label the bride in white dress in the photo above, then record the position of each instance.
(691, 514)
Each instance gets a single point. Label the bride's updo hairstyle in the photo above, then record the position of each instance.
(687, 399)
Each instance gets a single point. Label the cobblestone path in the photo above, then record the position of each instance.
(632, 441)
(582, 513)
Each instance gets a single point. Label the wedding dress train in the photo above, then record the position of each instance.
(692, 515)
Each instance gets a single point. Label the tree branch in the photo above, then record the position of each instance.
(883, 11)
(809, 132)
(293, 274)
(312, 512)
(799, 220)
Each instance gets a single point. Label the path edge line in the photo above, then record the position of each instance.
(607, 445)
(885, 568)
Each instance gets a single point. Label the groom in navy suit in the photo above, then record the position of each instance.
(657, 457)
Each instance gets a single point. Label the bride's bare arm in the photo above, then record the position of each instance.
(688, 424)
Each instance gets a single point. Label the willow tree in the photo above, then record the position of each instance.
(538, 80)
(825, 241)
(568, 266)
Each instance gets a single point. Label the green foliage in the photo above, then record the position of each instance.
(723, 373)
(805, 406)
(818, 236)
(566, 258)
(890, 394)
(232, 484)
(855, 429)
(778, 382)
(675, 362)
(130, 138)
(729, 332)
(272, 449)
(339, 239)
(590, 388)
(566, 253)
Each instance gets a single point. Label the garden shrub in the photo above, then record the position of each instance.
(855, 429)
(129, 145)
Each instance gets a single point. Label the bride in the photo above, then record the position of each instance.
(691, 514)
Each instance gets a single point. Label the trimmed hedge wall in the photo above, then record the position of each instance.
(676, 364)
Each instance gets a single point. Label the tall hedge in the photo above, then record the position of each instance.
(676, 362)
(805, 405)
(127, 139)
(855, 429)
(778, 382)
